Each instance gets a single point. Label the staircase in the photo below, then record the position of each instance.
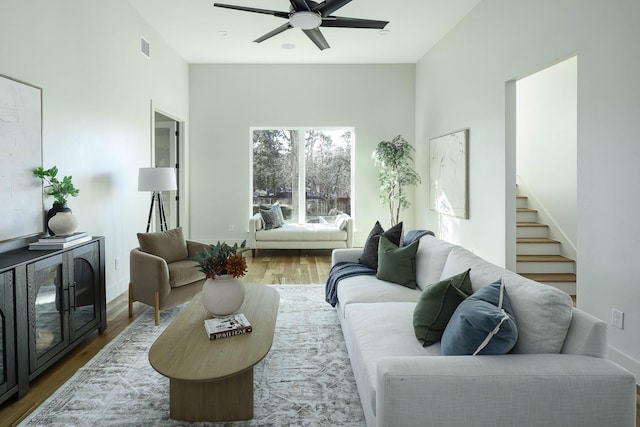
(537, 256)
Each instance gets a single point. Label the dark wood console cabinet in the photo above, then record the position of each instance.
(49, 302)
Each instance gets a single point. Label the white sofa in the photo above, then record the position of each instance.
(299, 236)
(556, 375)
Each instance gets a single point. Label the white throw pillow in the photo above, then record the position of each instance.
(341, 221)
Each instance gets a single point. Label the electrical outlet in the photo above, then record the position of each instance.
(116, 264)
(232, 227)
(617, 318)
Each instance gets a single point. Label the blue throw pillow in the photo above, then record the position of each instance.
(482, 324)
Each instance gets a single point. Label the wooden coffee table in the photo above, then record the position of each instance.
(212, 380)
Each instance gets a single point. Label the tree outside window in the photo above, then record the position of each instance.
(307, 170)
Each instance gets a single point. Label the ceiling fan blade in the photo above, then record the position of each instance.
(284, 15)
(275, 32)
(316, 36)
(343, 22)
(327, 7)
(300, 5)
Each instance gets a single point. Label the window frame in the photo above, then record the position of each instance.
(301, 165)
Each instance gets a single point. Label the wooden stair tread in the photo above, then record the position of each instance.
(542, 258)
(550, 277)
(530, 224)
(535, 240)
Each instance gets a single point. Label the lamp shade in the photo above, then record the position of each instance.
(157, 179)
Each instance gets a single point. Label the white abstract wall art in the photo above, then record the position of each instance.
(20, 154)
(449, 183)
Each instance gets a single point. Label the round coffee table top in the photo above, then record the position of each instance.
(185, 352)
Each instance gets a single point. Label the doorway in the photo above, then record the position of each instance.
(546, 175)
(166, 153)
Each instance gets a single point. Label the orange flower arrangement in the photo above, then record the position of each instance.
(222, 259)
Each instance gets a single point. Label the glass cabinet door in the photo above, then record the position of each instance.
(7, 336)
(83, 298)
(46, 304)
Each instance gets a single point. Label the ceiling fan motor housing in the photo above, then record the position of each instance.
(305, 20)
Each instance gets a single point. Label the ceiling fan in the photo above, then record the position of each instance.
(309, 15)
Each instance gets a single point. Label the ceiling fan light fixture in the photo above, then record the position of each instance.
(305, 20)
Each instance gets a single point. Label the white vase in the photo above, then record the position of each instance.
(63, 223)
(223, 295)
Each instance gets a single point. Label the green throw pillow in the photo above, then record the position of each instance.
(437, 304)
(397, 264)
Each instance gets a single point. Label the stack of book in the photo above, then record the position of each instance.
(59, 242)
(227, 326)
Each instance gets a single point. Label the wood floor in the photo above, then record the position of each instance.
(268, 267)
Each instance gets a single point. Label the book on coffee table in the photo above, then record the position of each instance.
(227, 326)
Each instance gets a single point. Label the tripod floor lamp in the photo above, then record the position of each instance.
(157, 180)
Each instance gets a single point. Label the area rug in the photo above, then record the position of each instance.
(305, 380)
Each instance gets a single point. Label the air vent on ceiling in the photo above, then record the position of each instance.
(145, 47)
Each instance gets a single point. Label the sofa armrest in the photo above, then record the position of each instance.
(148, 273)
(255, 224)
(195, 247)
(349, 229)
(587, 335)
(345, 255)
(524, 390)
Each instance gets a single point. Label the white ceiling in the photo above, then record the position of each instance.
(193, 28)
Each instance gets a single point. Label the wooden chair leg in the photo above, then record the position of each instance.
(130, 299)
(156, 307)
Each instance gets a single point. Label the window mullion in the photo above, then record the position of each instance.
(302, 202)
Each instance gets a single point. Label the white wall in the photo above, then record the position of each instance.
(461, 83)
(97, 92)
(226, 100)
(546, 153)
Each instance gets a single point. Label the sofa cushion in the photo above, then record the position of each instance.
(430, 258)
(483, 324)
(169, 245)
(437, 304)
(376, 331)
(183, 273)
(369, 255)
(302, 233)
(543, 312)
(397, 264)
(366, 289)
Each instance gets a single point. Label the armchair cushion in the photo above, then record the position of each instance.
(183, 273)
(169, 245)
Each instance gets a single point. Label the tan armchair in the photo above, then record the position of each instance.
(160, 272)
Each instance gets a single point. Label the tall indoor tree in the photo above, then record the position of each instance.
(394, 160)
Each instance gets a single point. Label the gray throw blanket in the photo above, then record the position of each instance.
(342, 270)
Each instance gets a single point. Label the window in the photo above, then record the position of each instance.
(307, 170)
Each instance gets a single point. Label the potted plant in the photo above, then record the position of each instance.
(394, 160)
(61, 190)
(221, 259)
(225, 264)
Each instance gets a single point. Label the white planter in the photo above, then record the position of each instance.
(223, 295)
(63, 223)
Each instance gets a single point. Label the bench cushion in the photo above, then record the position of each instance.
(302, 232)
